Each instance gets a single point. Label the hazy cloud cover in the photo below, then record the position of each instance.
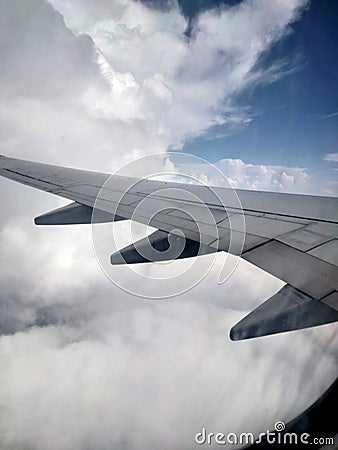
(83, 364)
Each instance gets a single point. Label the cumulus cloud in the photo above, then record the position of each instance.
(243, 175)
(84, 365)
(266, 177)
(126, 76)
(182, 85)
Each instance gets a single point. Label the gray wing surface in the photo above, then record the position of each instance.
(294, 237)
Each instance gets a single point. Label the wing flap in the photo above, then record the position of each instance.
(305, 272)
(260, 225)
(327, 252)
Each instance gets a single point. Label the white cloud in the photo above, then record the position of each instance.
(329, 116)
(266, 177)
(242, 175)
(83, 364)
(331, 157)
(131, 82)
(324, 116)
(136, 374)
(196, 80)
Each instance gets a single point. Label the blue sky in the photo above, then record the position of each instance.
(293, 121)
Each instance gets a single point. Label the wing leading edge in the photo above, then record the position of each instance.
(294, 237)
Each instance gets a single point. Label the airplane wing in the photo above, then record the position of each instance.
(294, 237)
